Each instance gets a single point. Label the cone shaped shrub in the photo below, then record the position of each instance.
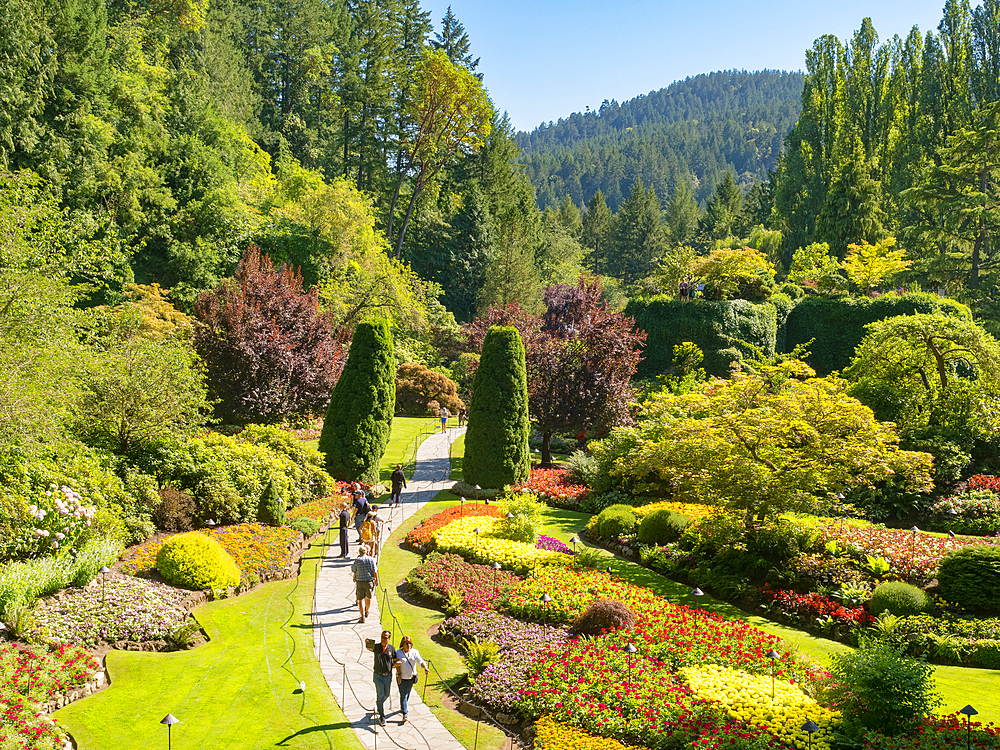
(496, 444)
(270, 507)
(359, 417)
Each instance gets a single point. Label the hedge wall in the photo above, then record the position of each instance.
(838, 324)
(709, 324)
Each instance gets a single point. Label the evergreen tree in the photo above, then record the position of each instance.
(359, 416)
(596, 230)
(270, 507)
(681, 215)
(496, 444)
(469, 252)
(25, 74)
(637, 236)
(724, 211)
(454, 40)
(852, 211)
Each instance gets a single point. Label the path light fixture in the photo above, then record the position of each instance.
(476, 531)
(969, 712)
(913, 542)
(810, 726)
(697, 592)
(952, 512)
(951, 534)
(509, 516)
(545, 599)
(461, 502)
(478, 490)
(630, 650)
(608, 570)
(104, 579)
(773, 656)
(496, 572)
(169, 720)
(209, 523)
(573, 540)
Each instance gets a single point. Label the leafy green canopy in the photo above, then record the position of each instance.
(359, 417)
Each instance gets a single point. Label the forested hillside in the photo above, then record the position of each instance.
(694, 130)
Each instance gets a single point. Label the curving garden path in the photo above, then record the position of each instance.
(339, 637)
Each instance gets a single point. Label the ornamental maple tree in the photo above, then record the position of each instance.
(270, 352)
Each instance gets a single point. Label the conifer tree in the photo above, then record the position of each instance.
(496, 444)
(359, 417)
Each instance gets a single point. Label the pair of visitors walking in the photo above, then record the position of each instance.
(404, 661)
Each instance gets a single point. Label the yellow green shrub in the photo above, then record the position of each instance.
(196, 561)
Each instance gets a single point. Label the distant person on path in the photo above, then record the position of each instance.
(407, 660)
(398, 479)
(371, 530)
(345, 522)
(444, 418)
(364, 571)
(684, 288)
(360, 506)
(463, 414)
(385, 663)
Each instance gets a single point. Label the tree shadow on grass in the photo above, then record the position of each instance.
(312, 730)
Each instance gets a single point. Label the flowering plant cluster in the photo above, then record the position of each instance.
(552, 544)
(806, 609)
(257, 549)
(478, 585)
(317, 510)
(554, 735)
(28, 679)
(984, 482)
(976, 512)
(550, 486)
(55, 519)
(938, 733)
(423, 533)
(122, 609)
(691, 510)
(488, 546)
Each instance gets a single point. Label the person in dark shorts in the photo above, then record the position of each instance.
(385, 663)
(360, 508)
(364, 571)
(398, 483)
(345, 522)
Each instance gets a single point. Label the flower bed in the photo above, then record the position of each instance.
(260, 550)
(317, 510)
(691, 510)
(447, 574)
(976, 512)
(460, 537)
(552, 545)
(938, 733)
(814, 610)
(29, 678)
(124, 609)
(550, 486)
(423, 533)
(554, 735)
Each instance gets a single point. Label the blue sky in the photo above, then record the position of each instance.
(545, 59)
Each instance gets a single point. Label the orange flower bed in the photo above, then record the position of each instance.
(422, 534)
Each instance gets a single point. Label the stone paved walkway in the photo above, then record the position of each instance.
(340, 637)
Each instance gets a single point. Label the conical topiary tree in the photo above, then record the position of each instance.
(270, 507)
(496, 444)
(359, 416)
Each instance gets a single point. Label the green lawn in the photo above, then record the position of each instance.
(407, 433)
(238, 691)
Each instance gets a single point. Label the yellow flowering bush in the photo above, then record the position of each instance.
(488, 547)
(554, 735)
(747, 697)
(691, 510)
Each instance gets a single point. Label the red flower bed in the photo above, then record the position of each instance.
(422, 534)
(984, 482)
(550, 485)
(938, 732)
(478, 584)
(807, 608)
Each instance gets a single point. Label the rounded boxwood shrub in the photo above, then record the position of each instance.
(662, 526)
(971, 577)
(615, 521)
(196, 561)
(308, 526)
(899, 598)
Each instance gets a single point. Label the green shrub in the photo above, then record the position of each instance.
(527, 517)
(879, 687)
(582, 468)
(309, 480)
(308, 526)
(478, 656)
(971, 577)
(777, 541)
(359, 417)
(496, 443)
(985, 654)
(899, 598)
(417, 386)
(176, 511)
(196, 561)
(270, 507)
(616, 521)
(594, 503)
(662, 526)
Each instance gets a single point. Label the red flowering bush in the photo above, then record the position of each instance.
(449, 574)
(938, 732)
(984, 482)
(422, 534)
(550, 486)
(807, 609)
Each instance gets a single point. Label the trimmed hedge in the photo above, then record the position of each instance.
(662, 526)
(616, 521)
(899, 598)
(971, 577)
(196, 561)
(717, 328)
(359, 417)
(496, 442)
(838, 324)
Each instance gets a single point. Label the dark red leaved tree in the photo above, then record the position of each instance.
(270, 352)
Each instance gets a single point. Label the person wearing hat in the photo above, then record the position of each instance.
(360, 508)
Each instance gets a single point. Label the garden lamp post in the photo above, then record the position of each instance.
(545, 599)
(608, 570)
(509, 515)
(209, 523)
(478, 490)
(697, 592)
(951, 534)
(104, 579)
(773, 656)
(573, 540)
(913, 543)
(969, 712)
(496, 572)
(630, 650)
(476, 531)
(810, 726)
(461, 502)
(169, 720)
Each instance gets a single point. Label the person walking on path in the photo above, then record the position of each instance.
(385, 663)
(345, 521)
(444, 418)
(398, 479)
(364, 571)
(361, 508)
(407, 659)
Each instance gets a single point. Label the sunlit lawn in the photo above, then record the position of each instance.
(407, 434)
(238, 691)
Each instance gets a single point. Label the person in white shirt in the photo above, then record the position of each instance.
(407, 660)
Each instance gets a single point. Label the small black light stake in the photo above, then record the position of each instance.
(969, 712)
(913, 541)
(461, 502)
(573, 540)
(697, 592)
(478, 490)
(608, 570)
(951, 534)
(169, 720)
(496, 572)
(773, 656)
(477, 532)
(104, 579)
(810, 726)
(630, 650)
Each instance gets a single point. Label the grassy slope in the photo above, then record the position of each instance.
(400, 448)
(240, 690)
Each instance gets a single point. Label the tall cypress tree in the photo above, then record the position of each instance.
(496, 444)
(359, 417)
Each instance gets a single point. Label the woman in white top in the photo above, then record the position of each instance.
(407, 660)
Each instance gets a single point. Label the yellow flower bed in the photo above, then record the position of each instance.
(459, 537)
(747, 697)
(554, 735)
(691, 510)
